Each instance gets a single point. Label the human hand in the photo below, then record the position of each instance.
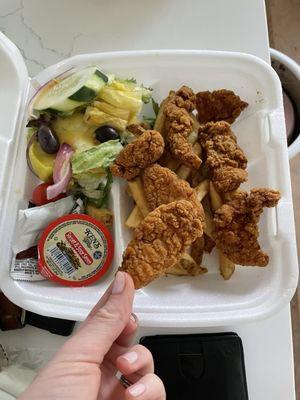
(86, 365)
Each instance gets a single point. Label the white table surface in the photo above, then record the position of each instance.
(48, 31)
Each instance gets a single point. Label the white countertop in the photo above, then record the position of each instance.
(47, 32)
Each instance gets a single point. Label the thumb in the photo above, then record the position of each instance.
(104, 324)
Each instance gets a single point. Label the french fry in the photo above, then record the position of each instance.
(226, 266)
(238, 190)
(215, 198)
(160, 119)
(196, 127)
(137, 190)
(196, 177)
(134, 218)
(176, 270)
(209, 244)
(184, 171)
(193, 137)
(197, 250)
(228, 196)
(186, 267)
(128, 191)
(202, 189)
(196, 124)
(198, 149)
(209, 224)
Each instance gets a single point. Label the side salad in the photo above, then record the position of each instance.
(77, 126)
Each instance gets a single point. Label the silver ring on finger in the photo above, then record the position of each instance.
(125, 382)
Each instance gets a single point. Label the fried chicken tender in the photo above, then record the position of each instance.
(185, 98)
(219, 105)
(225, 160)
(179, 126)
(139, 154)
(162, 186)
(160, 240)
(236, 226)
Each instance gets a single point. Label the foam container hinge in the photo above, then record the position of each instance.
(252, 293)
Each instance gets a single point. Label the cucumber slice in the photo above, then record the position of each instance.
(69, 93)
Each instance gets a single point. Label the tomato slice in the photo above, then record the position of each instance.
(39, 195)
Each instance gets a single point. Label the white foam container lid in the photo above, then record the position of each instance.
(252, 292)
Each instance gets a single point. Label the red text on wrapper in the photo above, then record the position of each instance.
(80, 250)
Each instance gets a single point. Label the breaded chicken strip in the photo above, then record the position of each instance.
(236, 226)
(179, 126)
(184, 98)
(160, 240)
(219, 105)
(162, 186)
(139, 154)
(223, 157)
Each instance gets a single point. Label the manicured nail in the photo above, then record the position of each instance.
(137, 390)
(130, 357)
(119, 283)
(133, 318)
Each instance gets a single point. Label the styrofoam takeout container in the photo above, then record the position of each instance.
(251, 293)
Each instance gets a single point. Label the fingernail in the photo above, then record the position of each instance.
(133, 318)
(130, 357)
(137, 390)
(119, 283)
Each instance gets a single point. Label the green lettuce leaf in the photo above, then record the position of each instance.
(103, 192)
(155, 106)
(93, 188)
(126, 137)
(146, 94)
(89, 180)
(96, 158)
(149, 120)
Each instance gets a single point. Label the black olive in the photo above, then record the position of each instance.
(105, 133)
(44, 119)
(47, 139)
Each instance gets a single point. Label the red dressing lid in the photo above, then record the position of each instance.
(75, 250)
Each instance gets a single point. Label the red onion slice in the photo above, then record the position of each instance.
(63, 157)
(62, 172)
